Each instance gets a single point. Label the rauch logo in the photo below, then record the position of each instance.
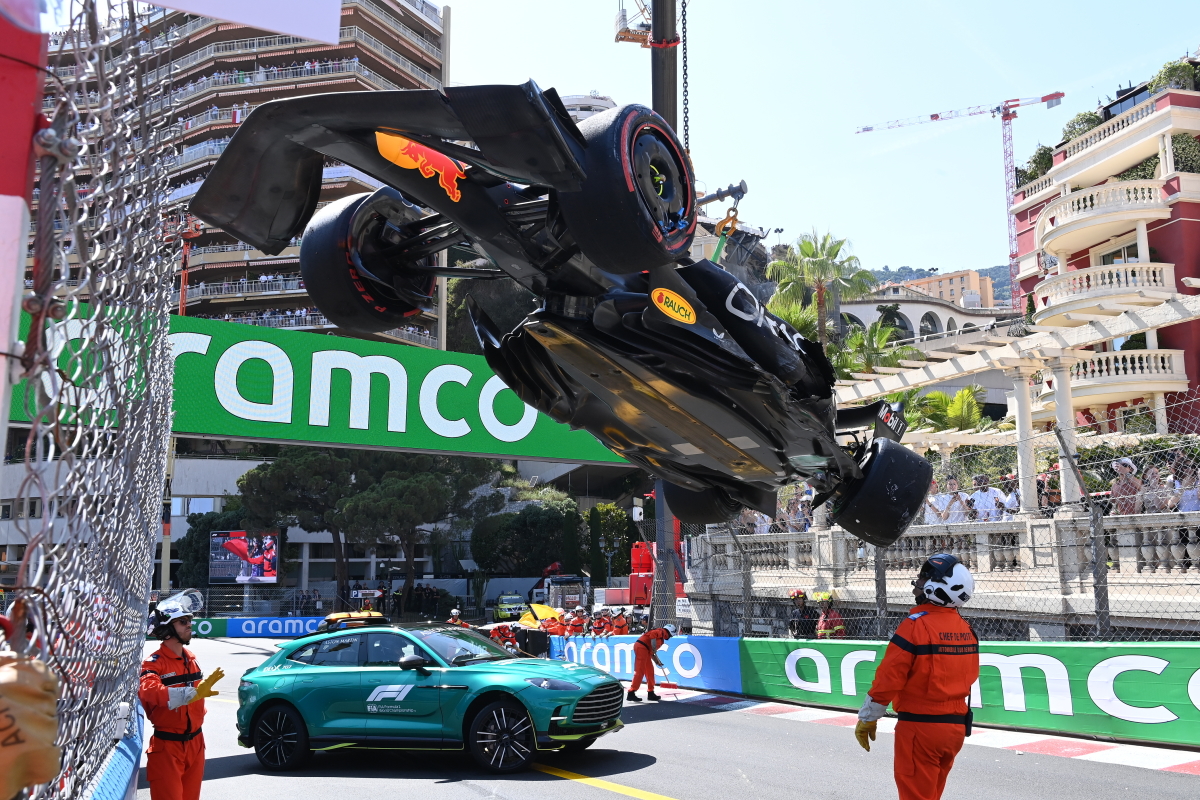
(674, 306)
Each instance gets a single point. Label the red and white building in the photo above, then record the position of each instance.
(1092, 245)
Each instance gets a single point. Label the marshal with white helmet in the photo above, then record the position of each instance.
(947, 581)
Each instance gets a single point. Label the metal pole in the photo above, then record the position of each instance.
(1099, 551)
(444, 256)
(881, 604)
(664, 60)
(663, 608)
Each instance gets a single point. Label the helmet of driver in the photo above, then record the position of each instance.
(187, 603)
(947, 581)
(670, 629)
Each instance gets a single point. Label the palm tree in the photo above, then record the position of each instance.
(963, 411)
(801, 317)
(822, 264)
(867, 348)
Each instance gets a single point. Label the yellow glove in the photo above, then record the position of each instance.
(205, 688)
(865, 731)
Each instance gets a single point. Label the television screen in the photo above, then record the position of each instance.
(242, 557)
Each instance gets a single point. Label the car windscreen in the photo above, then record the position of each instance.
(458, 646)
(511, 600)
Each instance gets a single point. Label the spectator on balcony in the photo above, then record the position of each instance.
(933, 507)
(1187, 493)
(1155, 496)
(1012, 489)
(1125, 488)
(955, 505)
(987, 501)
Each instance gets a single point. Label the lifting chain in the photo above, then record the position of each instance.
(687, 145)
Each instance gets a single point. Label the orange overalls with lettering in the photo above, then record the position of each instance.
(575, 626)
(643, 648)
(926, 675)
(620, 625)
(175, 758)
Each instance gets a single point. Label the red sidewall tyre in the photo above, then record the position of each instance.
(637, 207)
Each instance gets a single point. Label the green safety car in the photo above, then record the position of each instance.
(365, 683)
(509, 608)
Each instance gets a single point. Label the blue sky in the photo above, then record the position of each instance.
(778, 88)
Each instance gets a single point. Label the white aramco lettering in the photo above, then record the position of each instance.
(279, 409)
(1101, 682)
(361, 368)
(487, 414)
(430, 413)
(823, 683)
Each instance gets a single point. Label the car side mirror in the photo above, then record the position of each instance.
(414, 662)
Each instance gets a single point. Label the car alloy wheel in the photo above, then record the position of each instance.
(502, 737)
(280, 741)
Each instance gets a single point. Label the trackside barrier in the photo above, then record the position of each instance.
(1146, 692)
(248, 627)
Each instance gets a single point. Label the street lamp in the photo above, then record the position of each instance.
(608, 553)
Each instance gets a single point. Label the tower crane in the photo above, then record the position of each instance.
(1007, 111)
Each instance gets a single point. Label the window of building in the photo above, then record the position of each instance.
(6, 509)
(952, 293)
(963, 279)
(201, 505)
(942, 295)
(1126, 254)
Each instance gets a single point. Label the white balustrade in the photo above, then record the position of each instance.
(1129, 364)
(1109, 198)
(1111, 128)
(1036, 186)
(1104, 281)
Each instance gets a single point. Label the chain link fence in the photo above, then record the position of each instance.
(96, 390)
(1118, 561)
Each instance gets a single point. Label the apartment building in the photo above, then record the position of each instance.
(966, 288)
(1112, 226)
(219, 73)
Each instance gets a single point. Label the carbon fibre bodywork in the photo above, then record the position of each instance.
(672, 363)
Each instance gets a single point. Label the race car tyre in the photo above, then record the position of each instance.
(501, 737)
(879, 506)
(701, 508)
(637, 207)
(280, 739)
(347, 298)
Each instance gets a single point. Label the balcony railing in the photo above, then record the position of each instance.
(240, 288)
(1105, 281)
(311, 321)
(1114, 126)
(1127, 369)
(400, 28)
(1118, 196)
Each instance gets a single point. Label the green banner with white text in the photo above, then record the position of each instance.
(248, 382)
(1147, 692)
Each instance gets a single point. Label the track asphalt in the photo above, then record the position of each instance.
(692, 746)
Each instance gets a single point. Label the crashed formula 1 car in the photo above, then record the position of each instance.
(670, 362)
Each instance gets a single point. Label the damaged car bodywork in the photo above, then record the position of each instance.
(669, 361)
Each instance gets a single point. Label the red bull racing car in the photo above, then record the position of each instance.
(669, 361)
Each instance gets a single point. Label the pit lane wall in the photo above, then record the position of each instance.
(1144, 692)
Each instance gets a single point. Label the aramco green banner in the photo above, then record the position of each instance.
(236, 381)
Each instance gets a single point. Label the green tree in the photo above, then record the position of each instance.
(615, 526)
(527, 542)
(866, 349)
(801, 317)
(392, 507)
(505, 301)
(1174, 75)
(822, 264)
(303, 487)
(963, 411)
(1080, 124)
(889, 314)
(193, 550)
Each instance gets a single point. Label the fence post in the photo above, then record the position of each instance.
(881, 599)
(1099, 552)
(664, 570)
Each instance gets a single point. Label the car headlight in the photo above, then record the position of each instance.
(553, 684)
(248, 685)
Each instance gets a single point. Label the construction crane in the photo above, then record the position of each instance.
(1007, 111)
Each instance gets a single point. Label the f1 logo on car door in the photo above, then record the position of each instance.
(402, 705)
(393, 692)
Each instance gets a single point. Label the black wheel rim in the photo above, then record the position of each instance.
(278, 738)
(506, 738)
(662, 181)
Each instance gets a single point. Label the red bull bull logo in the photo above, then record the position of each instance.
(410, 155)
